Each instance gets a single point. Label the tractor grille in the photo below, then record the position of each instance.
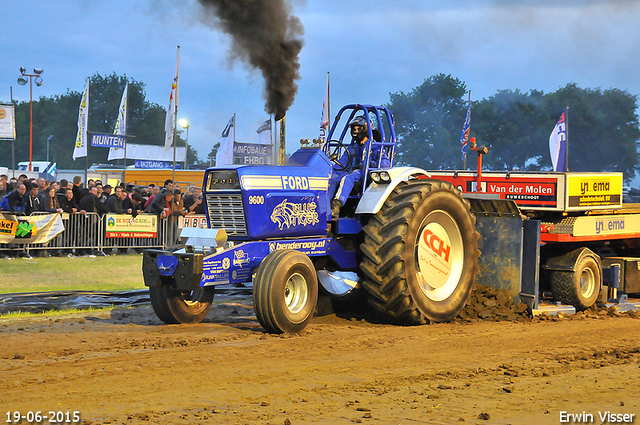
(226, 212)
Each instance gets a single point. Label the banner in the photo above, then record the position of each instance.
(151, 153)
(558, 144)
(198, 220)
(80, 149)
(127, 226)
(28, 230)
(100, 140)
(7, 122)
(169, 122)
(224, 156)
(252, 153)
(121, 123)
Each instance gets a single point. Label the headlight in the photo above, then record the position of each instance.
(375, 176)
(385, 177)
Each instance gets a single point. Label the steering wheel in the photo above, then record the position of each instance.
(334, 150)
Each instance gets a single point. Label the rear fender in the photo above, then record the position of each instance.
(376, 194)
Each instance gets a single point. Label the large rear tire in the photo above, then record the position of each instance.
(173, 306)
(420, 253)
(285, 291)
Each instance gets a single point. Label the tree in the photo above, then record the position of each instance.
(429, 123)
(603, 127)
(58, 116)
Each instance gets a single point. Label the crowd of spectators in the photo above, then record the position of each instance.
(28, 195)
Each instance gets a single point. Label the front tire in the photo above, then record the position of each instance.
(420, 253)
(285, 291)
(173, 306)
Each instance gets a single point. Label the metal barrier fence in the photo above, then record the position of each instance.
(88, 232)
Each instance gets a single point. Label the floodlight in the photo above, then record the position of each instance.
(38, 71)
(22, 81)
(38, 81)
(23, 70)
(183, 123)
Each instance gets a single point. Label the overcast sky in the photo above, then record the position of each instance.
(371, 48)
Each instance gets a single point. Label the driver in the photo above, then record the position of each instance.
(351, 163)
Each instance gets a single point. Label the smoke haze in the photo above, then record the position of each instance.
(268, 38)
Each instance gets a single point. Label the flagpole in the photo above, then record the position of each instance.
(566, 147)
(328, 106)
(464, 166)
(86, 132)
(126, 120)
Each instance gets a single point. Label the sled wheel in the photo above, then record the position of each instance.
(579, 288)
(173, 306)
(420, 253)
(285, 291)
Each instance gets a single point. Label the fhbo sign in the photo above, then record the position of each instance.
(107, 140)
(251, 153)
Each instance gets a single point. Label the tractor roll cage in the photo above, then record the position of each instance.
(386, 139)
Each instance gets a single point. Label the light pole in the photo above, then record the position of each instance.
(185, 124)
(22, 81)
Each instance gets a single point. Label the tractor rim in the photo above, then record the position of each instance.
(439, 255)
(296, 293)
(191, 297)
(587, 282)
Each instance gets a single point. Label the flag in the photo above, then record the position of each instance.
(80, 149)
(121, 125)
(324, 119)
(169, 122)
(465, 132)
(224, 156)
(264, 133)
(558, 144)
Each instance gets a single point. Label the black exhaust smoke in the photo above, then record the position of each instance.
(268, 38)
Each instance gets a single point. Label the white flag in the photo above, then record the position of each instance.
(121, 126)
(324, 120)
(80, 149)
(224, 156)
(264, 133)
(169, 124)
(558, 144)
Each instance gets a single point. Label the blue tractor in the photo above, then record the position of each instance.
(408, 244)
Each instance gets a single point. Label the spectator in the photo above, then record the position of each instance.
(168, 185)
(5, 178)
(32, 202)
(14, 201)
(67, 202)
(77, 188)
(90, 203)
(3, 189)
(13, 184)
(161, 204)
(22, 178)
(114, 204)
(156, 191)
(42, 185)
(177, 205)
(134, 203)
(51, 203)
(192, 202)
(106, 189)
(102, 197)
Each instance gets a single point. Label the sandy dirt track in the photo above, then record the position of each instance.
(125, 367)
